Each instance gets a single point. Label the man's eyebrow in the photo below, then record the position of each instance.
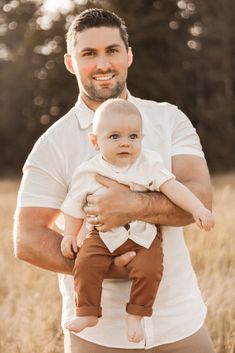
(88, 49)
(111, 46)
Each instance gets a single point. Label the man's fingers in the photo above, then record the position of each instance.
(124, 259)
(90, 210)
(105, 181)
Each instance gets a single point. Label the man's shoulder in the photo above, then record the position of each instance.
(151, 104)
(56, 136)
(64, 124)
(156, 113)
(58, 132)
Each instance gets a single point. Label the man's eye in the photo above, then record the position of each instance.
(114, 136)
(112, 51)
(133, 136)
(89, 53)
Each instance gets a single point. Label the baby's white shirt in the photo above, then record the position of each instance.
(146, 173)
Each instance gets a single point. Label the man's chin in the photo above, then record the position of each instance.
(100, 95)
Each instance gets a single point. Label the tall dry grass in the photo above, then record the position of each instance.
(30, 304)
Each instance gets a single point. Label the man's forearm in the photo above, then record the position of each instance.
(155, 207)
(42, 248)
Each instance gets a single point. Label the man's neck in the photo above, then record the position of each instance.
(93, 105)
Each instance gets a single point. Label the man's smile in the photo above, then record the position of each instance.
(106, 77)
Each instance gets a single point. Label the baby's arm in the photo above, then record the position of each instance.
(71, 230)
(184, 198)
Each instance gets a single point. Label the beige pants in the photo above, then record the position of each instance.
(199, 342)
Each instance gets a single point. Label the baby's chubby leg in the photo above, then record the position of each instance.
(91, 264)
(135, 332)
(146, 271)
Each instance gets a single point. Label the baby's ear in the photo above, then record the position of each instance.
(93, 141)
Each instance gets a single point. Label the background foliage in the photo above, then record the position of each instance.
(184, 53)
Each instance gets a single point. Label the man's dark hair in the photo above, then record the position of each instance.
(95, 18)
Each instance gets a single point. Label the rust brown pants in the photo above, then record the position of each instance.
(94, 260)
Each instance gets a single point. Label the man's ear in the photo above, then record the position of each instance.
(68, 63)
(93, 141)
(129, 57)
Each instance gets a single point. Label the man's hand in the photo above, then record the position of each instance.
(118, 268)
(113, 208)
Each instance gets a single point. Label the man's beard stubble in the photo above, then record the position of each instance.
(102, 95)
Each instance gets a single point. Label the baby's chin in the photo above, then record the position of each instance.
(123, 160)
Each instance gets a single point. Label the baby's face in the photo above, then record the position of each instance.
(119, 138)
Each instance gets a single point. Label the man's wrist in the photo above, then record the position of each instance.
(140, 205)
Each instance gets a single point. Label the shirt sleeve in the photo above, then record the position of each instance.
(160, 176)
(82, 184)
(76, 197)
(43, 184)
(185, 139)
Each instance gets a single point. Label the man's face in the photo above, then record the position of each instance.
(100, 62)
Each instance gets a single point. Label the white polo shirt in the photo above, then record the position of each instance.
(179, 310)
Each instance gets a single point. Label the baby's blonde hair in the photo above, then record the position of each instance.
(114, 105)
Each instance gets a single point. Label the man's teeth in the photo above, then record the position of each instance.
(103, 78)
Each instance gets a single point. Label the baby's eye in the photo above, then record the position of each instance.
(114, 136)
(133, 136)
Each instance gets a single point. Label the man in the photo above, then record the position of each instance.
(99, 56)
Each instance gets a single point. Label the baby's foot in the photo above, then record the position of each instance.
(78, 323)
(135, 330)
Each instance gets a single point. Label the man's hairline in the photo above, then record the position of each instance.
(112, 27)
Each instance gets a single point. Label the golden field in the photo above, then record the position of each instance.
(30, 304)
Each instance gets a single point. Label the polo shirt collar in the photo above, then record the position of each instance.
(85, 114)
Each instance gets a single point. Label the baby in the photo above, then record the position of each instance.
(117, 136)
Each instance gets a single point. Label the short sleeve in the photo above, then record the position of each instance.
(185, 139)
(43, 184)
(82, 184)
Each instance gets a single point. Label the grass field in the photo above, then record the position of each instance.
(30, 303)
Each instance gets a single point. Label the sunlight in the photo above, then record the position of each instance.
(54, 6)
(61, 5)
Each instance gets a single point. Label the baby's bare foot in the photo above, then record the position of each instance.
(135, 330)
(78, 323)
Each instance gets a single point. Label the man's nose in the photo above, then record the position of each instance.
(103, 63)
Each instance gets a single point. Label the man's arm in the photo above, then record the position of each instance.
(120, 205)
(36, 243)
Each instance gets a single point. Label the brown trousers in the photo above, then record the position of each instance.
(199, 342)
(93, 262)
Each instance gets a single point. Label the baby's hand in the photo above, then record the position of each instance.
(204, 218)
(69, 246)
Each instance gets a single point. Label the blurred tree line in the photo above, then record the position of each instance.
(184, 53)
